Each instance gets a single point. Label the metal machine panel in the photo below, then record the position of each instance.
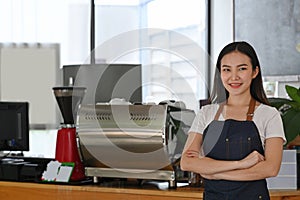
(132, 138)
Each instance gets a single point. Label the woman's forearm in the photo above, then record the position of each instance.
(207, 165)
(269, 167)
(260, 171)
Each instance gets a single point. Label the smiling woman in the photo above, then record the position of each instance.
(237, 73)
(236, 142)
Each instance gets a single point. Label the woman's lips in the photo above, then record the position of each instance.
(235, 85)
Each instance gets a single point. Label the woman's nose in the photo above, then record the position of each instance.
(234, 75)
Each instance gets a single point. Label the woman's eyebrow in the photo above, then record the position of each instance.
(226, 66)
(240, 65)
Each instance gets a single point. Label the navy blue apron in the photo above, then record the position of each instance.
(233, 140)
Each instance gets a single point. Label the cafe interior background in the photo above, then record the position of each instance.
(199, 28)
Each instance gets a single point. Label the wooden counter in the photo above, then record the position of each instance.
(40, 191)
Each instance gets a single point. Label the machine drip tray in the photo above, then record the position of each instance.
(139, 174)
(137, 183)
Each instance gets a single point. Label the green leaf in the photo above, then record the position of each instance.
(295, 105)
(293, 93)
(291, 123)
(290, 112)
(278, 102)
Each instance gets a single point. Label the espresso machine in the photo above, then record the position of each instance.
(69, 100)
(142, 142)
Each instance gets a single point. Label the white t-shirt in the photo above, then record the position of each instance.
(266, 118)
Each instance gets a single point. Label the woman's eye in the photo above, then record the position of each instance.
(226, 70)
(242, 68)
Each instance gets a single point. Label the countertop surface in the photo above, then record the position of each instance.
(113, 190)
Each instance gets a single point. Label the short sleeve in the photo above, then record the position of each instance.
(204, 116)
(274, 126)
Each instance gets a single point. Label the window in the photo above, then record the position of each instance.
(48, 21)
(169, 39)
(172, 46)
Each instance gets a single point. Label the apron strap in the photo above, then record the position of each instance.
(250, 112)
(220, 109)
(251, 109)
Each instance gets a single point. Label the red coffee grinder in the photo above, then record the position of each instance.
(69, 100)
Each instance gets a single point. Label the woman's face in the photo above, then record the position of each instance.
(237, 73)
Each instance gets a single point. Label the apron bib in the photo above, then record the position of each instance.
(233, 140)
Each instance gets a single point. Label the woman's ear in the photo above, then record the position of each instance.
(255, 72)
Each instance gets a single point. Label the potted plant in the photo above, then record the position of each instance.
(290, 112)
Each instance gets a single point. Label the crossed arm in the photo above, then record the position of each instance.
(253, 167)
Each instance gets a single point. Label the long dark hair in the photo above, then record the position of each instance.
(219, 93)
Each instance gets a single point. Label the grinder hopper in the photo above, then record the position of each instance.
(69, 100)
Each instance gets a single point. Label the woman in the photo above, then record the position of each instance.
(237, 142)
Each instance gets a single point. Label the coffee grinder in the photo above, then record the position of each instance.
(69, 100)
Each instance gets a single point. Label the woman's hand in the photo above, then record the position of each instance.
(249, 161)
(252, 159)
(192, 154)
(209, 176)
